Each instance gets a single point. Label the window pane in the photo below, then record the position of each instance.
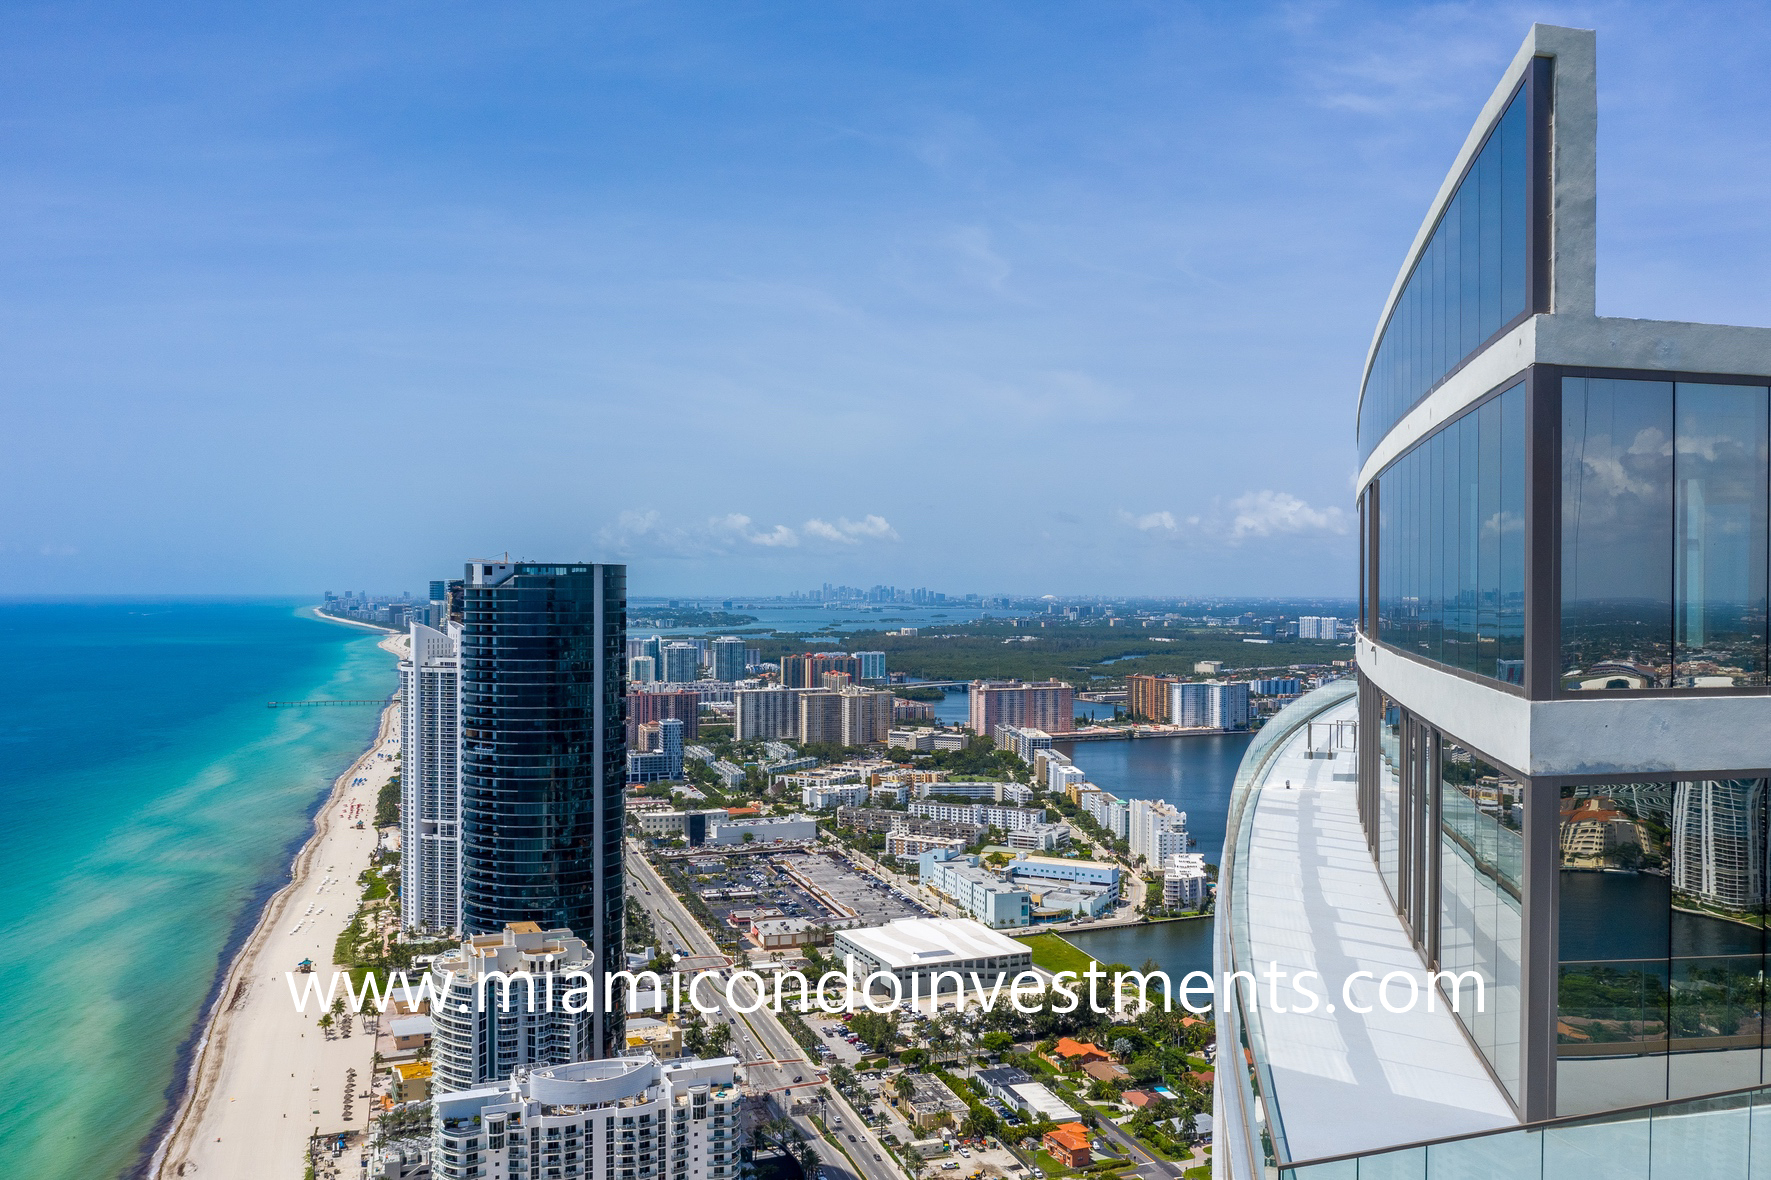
(1469, 281)
(1481, 859)
(1614, 930)
(1511, 664)
(1488, 524)
(1719, 473)
(1617, 544)
(1389, 779)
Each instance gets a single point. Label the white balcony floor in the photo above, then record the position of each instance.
(1345, 1081)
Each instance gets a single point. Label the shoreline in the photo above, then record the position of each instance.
(209, 1058)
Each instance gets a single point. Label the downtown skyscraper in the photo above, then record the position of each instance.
(544, 755)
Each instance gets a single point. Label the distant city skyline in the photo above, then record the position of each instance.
(1035, 296)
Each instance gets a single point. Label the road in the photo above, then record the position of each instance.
(771, 1057)
(1150, 1165)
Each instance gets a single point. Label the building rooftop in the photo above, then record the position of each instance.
(1314, 902)
(925, 942)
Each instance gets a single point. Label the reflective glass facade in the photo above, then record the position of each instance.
(1470, 282)
(1481, 895)
(1451, 543)
(1447, 830)
(1663, 492)
(1661, 931)
(543, 753)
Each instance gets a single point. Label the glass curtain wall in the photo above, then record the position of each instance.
(1661, 932)
(1481, 925)
(1469, 283)
(1664, 489)
(1451, 543)
(1389, 794)
(1446, 830)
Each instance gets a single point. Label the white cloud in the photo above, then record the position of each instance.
(779, 537)
(851, 532)
(1266, 512)
(1156, 520)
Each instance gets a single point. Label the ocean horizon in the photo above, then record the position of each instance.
(154, 804)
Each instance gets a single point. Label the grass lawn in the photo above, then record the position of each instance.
(1046, 1163)
(1054, 954)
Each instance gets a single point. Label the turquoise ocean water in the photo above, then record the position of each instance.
(151, 804)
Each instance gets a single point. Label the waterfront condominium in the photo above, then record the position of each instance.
(479, 1039)
(544, 754)
(727, 656)
(1563, 724)
(430, 789)
(597, 1120)
(1044, 704)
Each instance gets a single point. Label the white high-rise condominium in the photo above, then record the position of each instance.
(642, 669)
(1155, 830)
(1209, 704)
(477, 1042)
(727, 658)
(765, 714)
(1317, 627)
(682, 663)
(430, 784)
(596, 1120)
(872, 665)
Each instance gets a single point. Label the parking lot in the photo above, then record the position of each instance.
(873, 901)
(745, 883)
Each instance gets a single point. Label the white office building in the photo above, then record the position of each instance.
(982, 894)
(430, 783)
(476, 1039)
(766, 830)
(922, 948)
(1039, 838)
(617, 1119)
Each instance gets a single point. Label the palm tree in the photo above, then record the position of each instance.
(904, 1085)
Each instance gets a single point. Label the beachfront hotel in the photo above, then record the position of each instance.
(430, 784)
(544, 757)
(630, 1118)
(1550, 769)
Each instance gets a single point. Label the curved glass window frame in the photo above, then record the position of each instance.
(1493, 251)
(1449, 584)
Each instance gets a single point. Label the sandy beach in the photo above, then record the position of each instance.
(266, 1076)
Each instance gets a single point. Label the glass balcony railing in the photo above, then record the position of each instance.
(1718, 1138)
(1247, 1094)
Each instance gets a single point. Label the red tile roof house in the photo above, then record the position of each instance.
(1068, 1145)
(1068, 1052)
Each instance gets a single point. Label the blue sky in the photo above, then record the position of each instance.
(988, 297)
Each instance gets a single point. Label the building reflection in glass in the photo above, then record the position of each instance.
(1661, 930)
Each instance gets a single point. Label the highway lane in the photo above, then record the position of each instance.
(771, 1057)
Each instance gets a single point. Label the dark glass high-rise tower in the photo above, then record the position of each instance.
(544, 753)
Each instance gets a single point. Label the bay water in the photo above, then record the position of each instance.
(152, 803)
